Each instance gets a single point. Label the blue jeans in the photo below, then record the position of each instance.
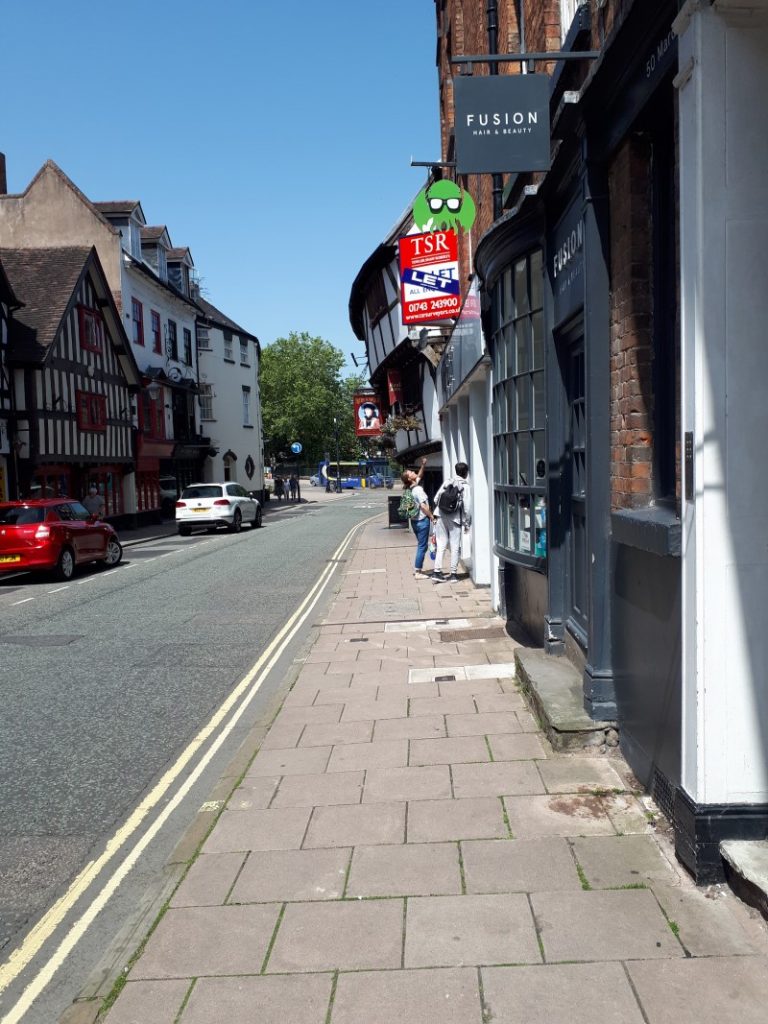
(421, 529)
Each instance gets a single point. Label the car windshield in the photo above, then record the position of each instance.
(21, 515)
(202, 491)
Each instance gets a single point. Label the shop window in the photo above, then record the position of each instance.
(109, 483)
(518, 413)
(91, 329)
(91, 411)
(157, 338)
(153, 416)
(173, 341)
(137, 318)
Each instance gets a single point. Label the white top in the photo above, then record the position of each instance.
(421, 496)
(464, 513)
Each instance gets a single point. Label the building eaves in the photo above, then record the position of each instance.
(166, 285)
(212, 315)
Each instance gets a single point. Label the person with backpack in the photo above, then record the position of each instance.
(414, 507)
(453, 514)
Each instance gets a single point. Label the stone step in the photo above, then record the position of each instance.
(746, 870)
(554, 690)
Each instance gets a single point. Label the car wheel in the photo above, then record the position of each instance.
(256, 519)
(114, 553)
(237, 522)
(184, 531)
(65, 567)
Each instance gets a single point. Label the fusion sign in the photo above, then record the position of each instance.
(502, 123)
(429, 277)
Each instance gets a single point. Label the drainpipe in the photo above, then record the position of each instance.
(492, 12)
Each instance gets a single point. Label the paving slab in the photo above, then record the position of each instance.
(424, 727)
(499, 702)
(374, 710)
(300, 999)
(566, 815)
(280, 829)
(458, 931)
(522, 747)
(707, 991)
(320, 790)
(711, 924)
(457, 750)
(356, 935)
(254, 793)
(301, 761)
(422, 869)
(408, 997)
(419, 783)
(559, 993)
(519, 865)
(331, 734)
(625, 924)
(194, 941)
(579, 775)
(311, 715)
(208, 880)
(351, 825)
(379, 754)
(497, 778)
(291, 875)
(434, 821)
(283, 735)
(442, 706)
(486, 724)
(610, 862)
(149, 1002)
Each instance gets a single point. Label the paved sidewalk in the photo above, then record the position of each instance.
(405, 848)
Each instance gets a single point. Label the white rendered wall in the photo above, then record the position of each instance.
(480, 476)
(723, 61)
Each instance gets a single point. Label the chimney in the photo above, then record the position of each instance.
(3, 178)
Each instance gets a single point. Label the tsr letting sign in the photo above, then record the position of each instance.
(429, 277)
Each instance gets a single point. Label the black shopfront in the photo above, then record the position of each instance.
(584, 577)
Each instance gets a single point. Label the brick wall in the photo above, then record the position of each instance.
(631, 325)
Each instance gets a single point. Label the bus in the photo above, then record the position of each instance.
(364, 473)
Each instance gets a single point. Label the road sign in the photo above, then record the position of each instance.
(429, 277)
(296, 448)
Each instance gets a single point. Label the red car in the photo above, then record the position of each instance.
(54, 535)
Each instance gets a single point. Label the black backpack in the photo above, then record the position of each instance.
(450, 499)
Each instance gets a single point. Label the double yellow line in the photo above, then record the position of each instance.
(21, 957)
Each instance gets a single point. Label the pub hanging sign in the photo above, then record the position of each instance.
(502, 123)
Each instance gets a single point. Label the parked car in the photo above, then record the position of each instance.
(214, 505)
(54, 535)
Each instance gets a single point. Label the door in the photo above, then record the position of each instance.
(576, 490)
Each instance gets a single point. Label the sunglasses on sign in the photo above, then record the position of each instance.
(436, 205)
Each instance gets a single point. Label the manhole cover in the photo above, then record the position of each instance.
(40, 641)
(491, 633)
(359, 640)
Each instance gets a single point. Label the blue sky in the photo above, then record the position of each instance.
(272, 138)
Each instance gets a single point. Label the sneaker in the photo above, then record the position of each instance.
(438, 577)
(453, 578)
(419, 574)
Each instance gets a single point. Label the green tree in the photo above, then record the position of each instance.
(302, 390)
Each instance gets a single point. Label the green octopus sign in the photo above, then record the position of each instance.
(442, 206)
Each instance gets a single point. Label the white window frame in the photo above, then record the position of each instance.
(206, 401)
(244, 352)
(247, 407)
(228, 346)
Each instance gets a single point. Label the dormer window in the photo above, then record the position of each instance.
(134, 238)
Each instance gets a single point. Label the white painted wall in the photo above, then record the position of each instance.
(723, 59)
(226, 429)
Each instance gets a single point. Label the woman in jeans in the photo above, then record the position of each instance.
(422, 522)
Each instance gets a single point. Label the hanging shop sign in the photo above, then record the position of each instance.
(444, 206)
(429, 277)
(394, 387)
(502, 123)
(367, 416)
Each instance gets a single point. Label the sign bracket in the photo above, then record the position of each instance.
(524, 58)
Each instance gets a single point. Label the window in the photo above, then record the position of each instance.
(206, 401)
(519, 405)
(153, 416)
(187, 345)
(568, 9)
(244, 352)
(246, 407)
(376, 299)
(91, 329)
(137, 317)
(157, 339)
(91, 411)
(203, 338)
(228, 346)
(173, 341)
